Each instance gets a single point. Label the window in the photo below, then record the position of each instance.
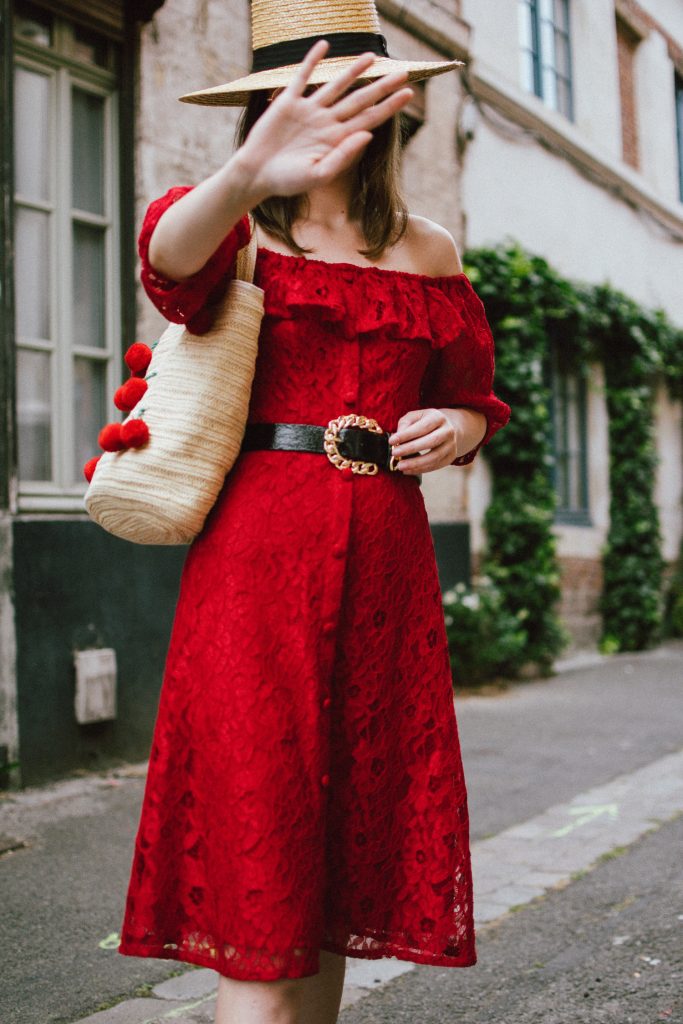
(545, 52)
(568, 410)
(66, 242)
(678, 85)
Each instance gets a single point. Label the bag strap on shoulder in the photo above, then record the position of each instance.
(246, 256)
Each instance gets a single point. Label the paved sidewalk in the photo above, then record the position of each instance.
(564, 775)
(510, 870)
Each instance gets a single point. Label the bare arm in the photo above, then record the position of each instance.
(191, 229)
(469, 425)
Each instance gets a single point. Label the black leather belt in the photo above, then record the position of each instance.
(349, 441)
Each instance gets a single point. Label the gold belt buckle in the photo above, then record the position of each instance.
(331, 440)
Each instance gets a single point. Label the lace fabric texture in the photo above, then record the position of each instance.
(305, 787)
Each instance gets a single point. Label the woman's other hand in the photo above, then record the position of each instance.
(442, 434)
(302, 140)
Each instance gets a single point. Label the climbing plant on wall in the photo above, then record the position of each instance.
(629, 343)
(520, 296)
(531, 307)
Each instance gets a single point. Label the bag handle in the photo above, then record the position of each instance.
(246, 256)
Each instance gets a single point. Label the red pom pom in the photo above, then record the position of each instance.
(129, 394)
(138, 357)
(89, 467)
(109, 437)
(134, 433)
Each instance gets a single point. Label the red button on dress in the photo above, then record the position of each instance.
(327, 702)
(325, 780)
(349, 397)
(238, 864)
(328, 627)
(339, 550)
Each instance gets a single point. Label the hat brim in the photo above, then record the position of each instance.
(237, 93)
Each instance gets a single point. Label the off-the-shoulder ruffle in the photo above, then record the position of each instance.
(365, 300)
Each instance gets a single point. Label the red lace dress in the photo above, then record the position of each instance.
(305, 789)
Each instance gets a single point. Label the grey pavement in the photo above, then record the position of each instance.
(608, 949)
(561, 773)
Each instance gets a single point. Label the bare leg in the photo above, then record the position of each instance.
(323, 991)
(258, 1002)
(311, 1000)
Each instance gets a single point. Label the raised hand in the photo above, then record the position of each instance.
(302, 141)
(299, 142)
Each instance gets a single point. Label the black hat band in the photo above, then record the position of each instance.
(293, 51)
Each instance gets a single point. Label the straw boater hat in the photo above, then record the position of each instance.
(283, 31)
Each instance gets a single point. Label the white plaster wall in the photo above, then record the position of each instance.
(495, 47)
(480, 489)
(656, 113)
(495, 35)
(520, 190)
(595, 74)
(669, 484)
(669, 14)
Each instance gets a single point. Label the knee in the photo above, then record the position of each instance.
(259, 1002)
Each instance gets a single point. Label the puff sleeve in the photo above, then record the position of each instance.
(460, 370)
(186, 302)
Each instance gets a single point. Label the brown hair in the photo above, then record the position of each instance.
(377, 201)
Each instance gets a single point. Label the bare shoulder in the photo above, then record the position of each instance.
(433, 247)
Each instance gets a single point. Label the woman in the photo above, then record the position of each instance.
(305, 798)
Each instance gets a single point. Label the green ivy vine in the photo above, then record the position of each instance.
(529, 307)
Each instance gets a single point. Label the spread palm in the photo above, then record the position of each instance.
(302, 140)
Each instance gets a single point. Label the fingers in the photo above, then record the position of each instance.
(414, 423)
(380, 112)
(363, 97)
(435, 459)
(427, 441)
(341, 82)
(343, 153)
(299, 79)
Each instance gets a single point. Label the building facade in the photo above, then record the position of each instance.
(572, 144)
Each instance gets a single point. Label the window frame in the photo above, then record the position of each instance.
(67, 73)
(555, 372)
(678, 101)
(537, 55)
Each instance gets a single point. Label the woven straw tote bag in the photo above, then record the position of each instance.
(195, 408)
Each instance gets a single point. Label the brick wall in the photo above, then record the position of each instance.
(627, 42)
(581, 582)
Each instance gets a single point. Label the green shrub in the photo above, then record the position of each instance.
(485, 639)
